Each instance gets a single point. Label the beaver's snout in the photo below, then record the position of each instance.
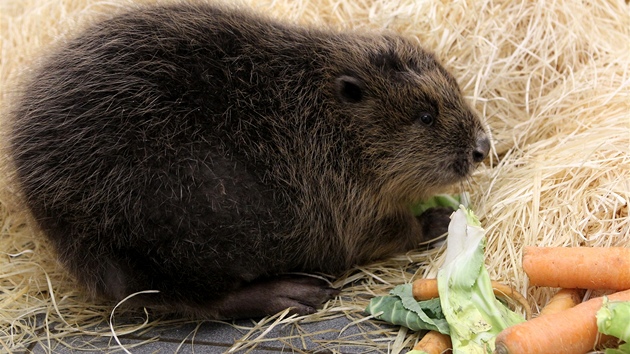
(482, 148)
(467, 160)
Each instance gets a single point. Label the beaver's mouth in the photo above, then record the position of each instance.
(461, 167)
(451, 172)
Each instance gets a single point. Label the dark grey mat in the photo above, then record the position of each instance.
(215, 337)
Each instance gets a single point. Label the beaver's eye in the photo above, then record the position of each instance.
(426, 118)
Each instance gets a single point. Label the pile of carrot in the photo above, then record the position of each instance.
(566, 331)
(568, 326)
(565, 324)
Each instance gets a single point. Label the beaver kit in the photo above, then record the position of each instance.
(210, 154)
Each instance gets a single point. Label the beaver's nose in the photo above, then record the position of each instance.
(481, 149)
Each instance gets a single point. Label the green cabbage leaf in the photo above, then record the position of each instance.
(400, 308)
(473, 313)
(613, 319)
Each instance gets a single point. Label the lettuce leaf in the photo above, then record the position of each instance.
(613, 319)
(440, 200)
(473, 313)
(400, 308)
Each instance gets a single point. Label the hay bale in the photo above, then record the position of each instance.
(552, 79)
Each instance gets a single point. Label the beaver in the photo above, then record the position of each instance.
(216, 155)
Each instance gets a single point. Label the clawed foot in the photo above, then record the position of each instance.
(302, 294)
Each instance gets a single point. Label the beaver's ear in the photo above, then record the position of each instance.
(349, 89)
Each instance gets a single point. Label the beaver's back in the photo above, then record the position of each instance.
(136, 130)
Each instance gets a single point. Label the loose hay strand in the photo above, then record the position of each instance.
(111, 318)
(552, 79)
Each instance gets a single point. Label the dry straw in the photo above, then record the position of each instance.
(551, 78)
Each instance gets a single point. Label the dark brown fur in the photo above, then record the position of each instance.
(205, 152)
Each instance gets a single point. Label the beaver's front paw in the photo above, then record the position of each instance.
(434, 222)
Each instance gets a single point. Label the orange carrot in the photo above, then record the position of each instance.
(434, 342)
(426, 289)
(567, 298)
(578, 267)
(572, 331)
(562, 300)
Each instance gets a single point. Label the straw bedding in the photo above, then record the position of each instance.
(551, 78)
